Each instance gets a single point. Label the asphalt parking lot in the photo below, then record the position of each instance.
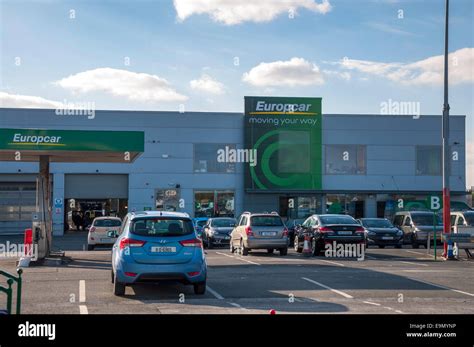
(388, 281)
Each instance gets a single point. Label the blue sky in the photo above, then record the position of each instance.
(171, 43)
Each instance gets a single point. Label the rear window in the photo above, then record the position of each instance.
(161, 227)
(469, 218)
(338, 220)
(376, 223)
(425, 219)
(107, 223)
(265, 221)
(223, 223)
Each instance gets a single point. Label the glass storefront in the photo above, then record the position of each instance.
(167, 199)
(351, 204)
(298, 207)
(214, 203)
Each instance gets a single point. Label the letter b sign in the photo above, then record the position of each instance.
(435, 203)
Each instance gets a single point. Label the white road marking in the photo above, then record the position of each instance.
(82, 291)
(426, 256)
(412, 263)
(329, 288)
(441, 286)
(371, 303)
(216, 294)
(83, 309)
(331, 262)
(248, 261)
(398, 311)
(227, 255)
(370, 257)
(237, 305)
(239, 258)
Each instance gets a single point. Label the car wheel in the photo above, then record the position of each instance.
(90, 247)
(209, 243)
(243, 250)
(232, 248)
(398, 246)
(314, 248)
(112, 277)
(270, 251)
(283, 251)
(200, 288)
(414, 243)
(119, 288)
(381, 246)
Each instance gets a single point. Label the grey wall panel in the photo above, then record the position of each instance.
(95, 186)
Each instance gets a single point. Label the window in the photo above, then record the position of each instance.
(206, 158)
(428, 160)
(161, 227)
(214, 203)
(345, 160)
(167, 199)
(266, 221)
(398, 220)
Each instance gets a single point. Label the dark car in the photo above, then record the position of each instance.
(329, 228)
(217, 231)
(381, 232)
(292, 225)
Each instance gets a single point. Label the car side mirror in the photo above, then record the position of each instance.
(112, 233)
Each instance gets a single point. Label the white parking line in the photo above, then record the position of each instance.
(427, 256)
(82, 291)
(331, 262)
(370, 257)
(412, 263)
(83, 309)
(371, 303)
(441, 286)
(328, 288)
(216, 294)
(237, 305)
(227, 255)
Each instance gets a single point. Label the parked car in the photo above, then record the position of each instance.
(417, 225)
(329, 228)
(99, 229)
(199, 223)
(292, 225)
(156, 246)
(217, 231)
(463, 223)
(381, 232)
(259, 231)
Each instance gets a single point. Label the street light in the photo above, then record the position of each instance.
(445, 134)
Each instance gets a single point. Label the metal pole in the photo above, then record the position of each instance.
(446, 160)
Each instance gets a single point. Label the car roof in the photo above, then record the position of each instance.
(331, 215)
(158, 214)
(107, 217)
(373, 218)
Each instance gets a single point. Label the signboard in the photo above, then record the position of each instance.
(71, 140)
(285, 134)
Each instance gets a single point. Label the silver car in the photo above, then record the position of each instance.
(259, 231)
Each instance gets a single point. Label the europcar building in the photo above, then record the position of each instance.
(281, 154)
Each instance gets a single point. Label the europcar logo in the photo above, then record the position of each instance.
(19, 139)
(263, 106)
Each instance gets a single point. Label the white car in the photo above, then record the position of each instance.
(99, 230)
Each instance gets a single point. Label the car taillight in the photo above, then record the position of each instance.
(360, 230)
(325, 229)
(126, 242)
(248, 231)
(92, 229)
(191, 243)
(285, 232)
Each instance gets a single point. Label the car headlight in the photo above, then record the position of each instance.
(371, 233)
(399, 233)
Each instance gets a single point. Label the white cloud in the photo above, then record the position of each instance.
(290, 73)
(231, 12)
(428, 71)
(26, 101)
(207, 84)
(122, 83)
(344, 75)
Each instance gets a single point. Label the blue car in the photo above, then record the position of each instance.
(199, 224)
(154, 246)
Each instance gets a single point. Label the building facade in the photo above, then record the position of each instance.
(369, 165)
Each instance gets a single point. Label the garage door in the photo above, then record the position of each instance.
(17, 203)
(95, 186)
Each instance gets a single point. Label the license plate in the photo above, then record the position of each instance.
(387, 238)
(163, 249)
(105, 240)
(345, 232)
(269, 233)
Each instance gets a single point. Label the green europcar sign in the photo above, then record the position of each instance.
(71, 140)
(286, 135)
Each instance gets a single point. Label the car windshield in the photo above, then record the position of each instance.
(425, 219)
(161, 227)
(469, 218)
(266, 221)
(338, 220)
(294, 222)
(376, 223)
(107, 223)
(223, 223)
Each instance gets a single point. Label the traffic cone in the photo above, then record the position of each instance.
(272, 312)
(307, 251)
